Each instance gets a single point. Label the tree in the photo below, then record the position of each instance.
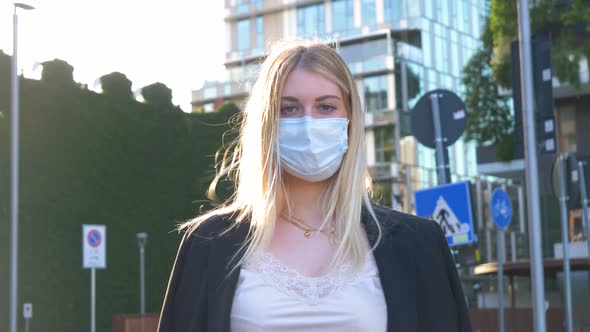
(58, 73)
(157, 94)
(490, 121)
(565, 22)
(117, 85)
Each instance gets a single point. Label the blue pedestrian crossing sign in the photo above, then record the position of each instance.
(450, 206)
(501, 208)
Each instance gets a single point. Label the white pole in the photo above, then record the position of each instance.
(500, 253)
(14, 179)
(93, 300)
(441, 162)
(142, 241)
(585, 209)
(532, 172)
(513, 246)
(142, 286)
(521, 215)
(565, 241)
(14, 147)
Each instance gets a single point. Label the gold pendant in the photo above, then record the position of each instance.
(307, 234)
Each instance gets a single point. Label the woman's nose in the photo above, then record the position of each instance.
(308, 111)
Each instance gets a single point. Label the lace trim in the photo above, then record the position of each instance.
(311, 289)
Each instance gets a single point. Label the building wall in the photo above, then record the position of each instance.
(438, 38)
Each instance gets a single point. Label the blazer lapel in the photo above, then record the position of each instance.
(221, 284)
(396, 265)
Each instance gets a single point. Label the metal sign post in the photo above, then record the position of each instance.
(500, 237)
(94, 239)
(438, 121)
(14, 168)
(441, 163)
(585, 209)
(141, 241)
(563, 197)
(93, 300)
(501, 210)
(532, 171)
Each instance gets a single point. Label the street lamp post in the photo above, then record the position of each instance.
(14, 172)
(141, 241)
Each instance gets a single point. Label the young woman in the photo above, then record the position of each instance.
(300, 246)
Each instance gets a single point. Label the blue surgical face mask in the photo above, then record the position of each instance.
(312, 149)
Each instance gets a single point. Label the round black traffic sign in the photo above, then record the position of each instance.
(453, 118)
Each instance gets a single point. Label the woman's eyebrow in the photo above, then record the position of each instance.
(290, 98)
(327, 97)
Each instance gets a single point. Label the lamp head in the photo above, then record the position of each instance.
(23, 6)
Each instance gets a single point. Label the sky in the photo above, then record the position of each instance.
(180, 43)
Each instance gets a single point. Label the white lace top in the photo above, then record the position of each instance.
(273, 297)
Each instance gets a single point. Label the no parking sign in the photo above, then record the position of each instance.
(94, 243)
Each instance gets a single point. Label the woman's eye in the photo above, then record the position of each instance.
(327, 108)
(288, 109)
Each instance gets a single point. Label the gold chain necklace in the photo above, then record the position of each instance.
(307, 230)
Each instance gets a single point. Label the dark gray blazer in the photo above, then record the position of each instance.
(416, 269)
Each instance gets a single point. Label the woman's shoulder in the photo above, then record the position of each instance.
(210, 228)
(393, 220)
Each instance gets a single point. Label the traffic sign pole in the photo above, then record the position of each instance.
(94, 256)
(565, 242)
(501, 210)
(585, 209)
(500, 252)
(438, 121)
(532, 171)
(93, 300)
(441, 163)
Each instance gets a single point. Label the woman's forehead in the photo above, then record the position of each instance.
(304, 83)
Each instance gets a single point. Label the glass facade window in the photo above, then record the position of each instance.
(259, 4)
(208, 108)
(474, 20)
(259, 32)
(415, 84)
(242, 6)
(443, 11)
(342, 15)
(397, 9)
(371, 55)
(311, 20)
(368, 12)
(465, 6)
(393, 10)
(427, 49)
(375, 89)
(210, 92)
(243, 35)
(413, 8)
(384, 144)
(428, 9)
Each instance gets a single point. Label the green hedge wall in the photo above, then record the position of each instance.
(89, 158)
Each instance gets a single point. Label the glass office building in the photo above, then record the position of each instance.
(397, 51)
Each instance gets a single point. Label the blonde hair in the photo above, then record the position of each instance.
(255, 166)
